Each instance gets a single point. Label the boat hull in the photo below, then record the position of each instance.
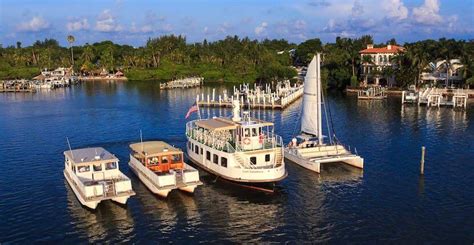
(162, 192)
(89, 204)
(264, 186)
(323, 154)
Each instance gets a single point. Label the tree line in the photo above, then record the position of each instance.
(232, 59)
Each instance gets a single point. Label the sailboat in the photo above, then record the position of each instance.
(308, 149)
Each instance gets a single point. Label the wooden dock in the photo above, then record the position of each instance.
(372, 93)
(17, 86)
(258, 97)
(189, 82)
(436, 97)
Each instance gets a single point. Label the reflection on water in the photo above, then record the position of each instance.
(388, 201)
(100, 223)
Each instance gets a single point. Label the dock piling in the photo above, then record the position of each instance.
(422, 162)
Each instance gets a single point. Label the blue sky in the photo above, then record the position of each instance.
(133, 21)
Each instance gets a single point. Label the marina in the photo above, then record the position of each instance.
(216, 210)
(258, 97)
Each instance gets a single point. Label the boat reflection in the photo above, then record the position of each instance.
(245, 213)
(109, 222)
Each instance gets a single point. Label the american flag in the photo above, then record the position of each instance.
(193, 108)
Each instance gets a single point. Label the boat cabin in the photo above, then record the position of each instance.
(158, 156)
(92, 163)
(245, 135)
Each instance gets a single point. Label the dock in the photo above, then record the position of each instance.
(437, 97)
(189, 82)
(258, 97)
(17, 86)
(372, 93)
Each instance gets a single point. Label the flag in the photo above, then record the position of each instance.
(193, 108)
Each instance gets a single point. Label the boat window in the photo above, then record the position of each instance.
(208, 155)
(84, 169)
(247, 132)
(254, 132)
(97, 167)
(154, 161)
(196, 149)
(216, 159)
(164, 159)
(259, 131)
(111, 165)
(224, 162)
(74, 169)
(189, 145)
(253, 160)
(201, 151)
(267, 158)
(177, 158)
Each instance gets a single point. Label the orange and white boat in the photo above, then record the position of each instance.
(161, 168)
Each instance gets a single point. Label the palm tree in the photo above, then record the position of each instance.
(70, 40)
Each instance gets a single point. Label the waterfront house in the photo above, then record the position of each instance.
(375, 60)
(443, 71)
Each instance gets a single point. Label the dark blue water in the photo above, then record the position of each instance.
(387, 202)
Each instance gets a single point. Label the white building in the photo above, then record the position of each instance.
(443, 71)
(379, 59)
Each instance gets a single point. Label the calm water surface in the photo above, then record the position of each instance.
(387, 202)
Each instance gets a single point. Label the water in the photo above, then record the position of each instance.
(387, 202)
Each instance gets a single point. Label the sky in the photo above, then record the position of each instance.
(134, 21)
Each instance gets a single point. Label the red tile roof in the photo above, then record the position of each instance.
(393, 49)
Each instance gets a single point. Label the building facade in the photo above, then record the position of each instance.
(375, 60)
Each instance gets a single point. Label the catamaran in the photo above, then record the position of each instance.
(161, 168)
(240, 149)
(308, 149)
(94, 176)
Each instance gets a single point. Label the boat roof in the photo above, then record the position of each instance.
(221, 123)
(90, 155)
(154, 148)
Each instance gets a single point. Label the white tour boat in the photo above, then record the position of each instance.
(308, 148)
(161, 168)
(241, 150)
(94, 176)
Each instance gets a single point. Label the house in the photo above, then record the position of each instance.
(375, 60)
(446, 72)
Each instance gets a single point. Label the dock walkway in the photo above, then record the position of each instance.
(258, 97)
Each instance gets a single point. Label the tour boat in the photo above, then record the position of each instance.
(242, 150)
(94, 176)
(161, 168)
(308, 149)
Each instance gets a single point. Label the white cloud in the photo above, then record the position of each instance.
(77, 25)
(106, 22)
(395, 9)
(357, 8)
(37, 23)
(261, 28)
(428, 13)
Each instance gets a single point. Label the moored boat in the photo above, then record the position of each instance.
(308, 149)
(161, 168)
(241, 150)
(94, 176)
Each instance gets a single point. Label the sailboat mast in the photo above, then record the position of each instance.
(318, 100)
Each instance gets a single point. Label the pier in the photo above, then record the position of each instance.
(258, 97)
(437, 97)
(372, 93)
(17, 86)
(183, 83)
